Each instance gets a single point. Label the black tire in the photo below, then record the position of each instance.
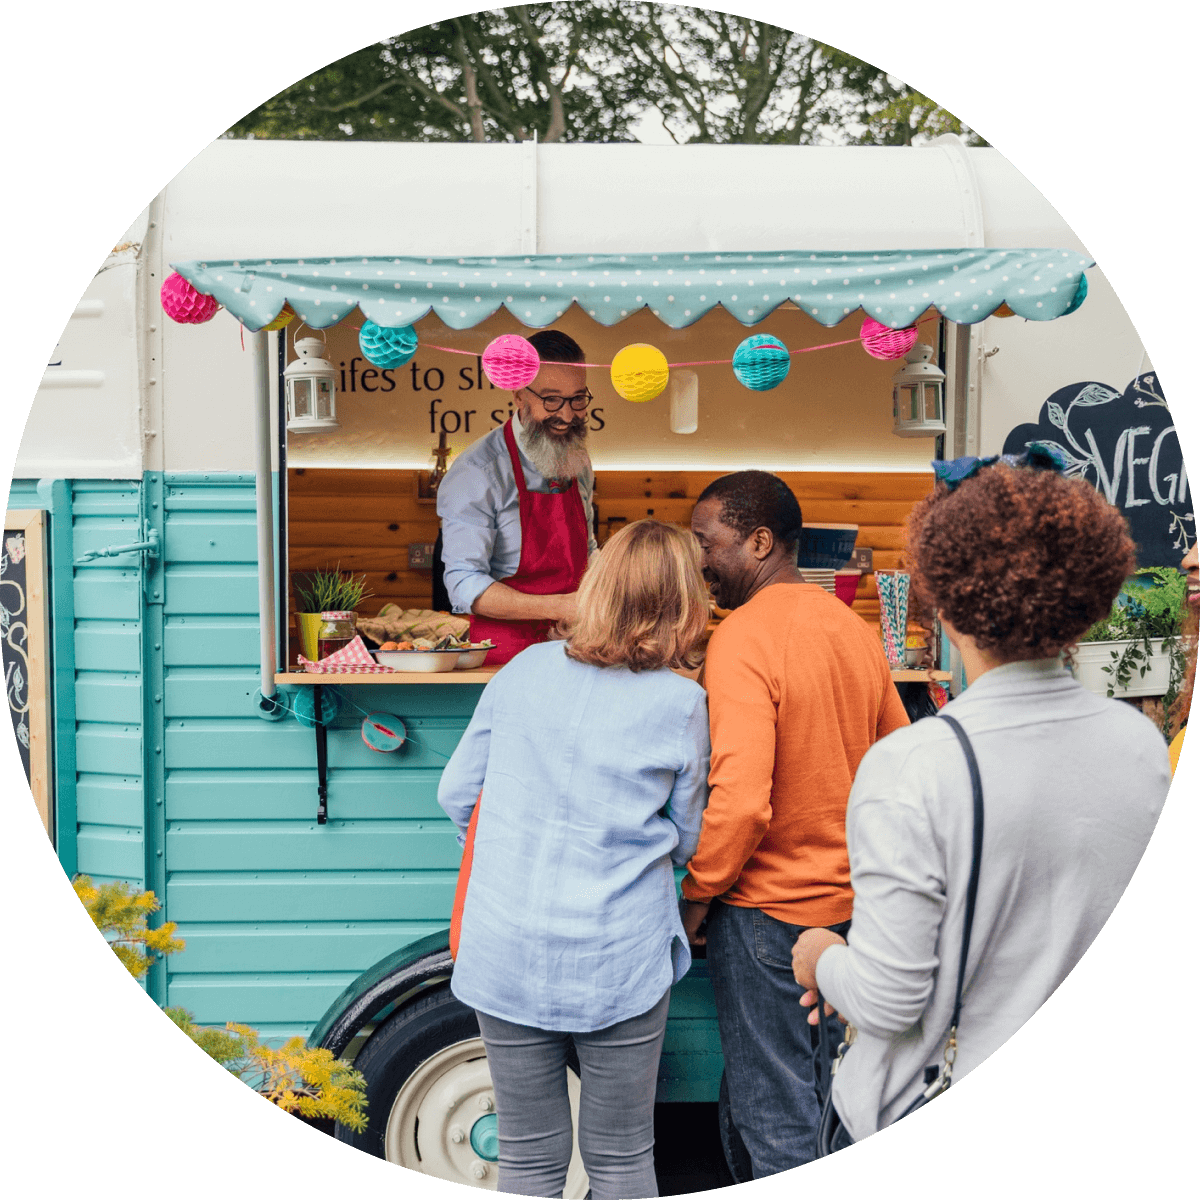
(432, 1042)
(737, 1157)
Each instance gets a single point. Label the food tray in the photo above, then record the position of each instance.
(430, 661)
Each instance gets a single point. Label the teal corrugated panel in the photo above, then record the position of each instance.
(105, 498)
(295, 947)
(354, 795)
(257, 998)
(107, 594)
(227, 743)
(190, 498)
(250, 743)
(211, 641)
(104, 696)
(217, 589)
(206, 537)
(307, 846)
(116, 853)
(210, 692)
(317, 895)
(110, 800)
(109, 749)
(108, 646)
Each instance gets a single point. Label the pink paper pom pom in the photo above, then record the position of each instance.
(511, 362)
(881, 342)
(181, 302)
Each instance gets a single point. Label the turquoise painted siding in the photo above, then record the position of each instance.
(99, 748)
(280, 913)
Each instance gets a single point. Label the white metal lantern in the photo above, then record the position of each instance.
(917, 395)
(311, 391)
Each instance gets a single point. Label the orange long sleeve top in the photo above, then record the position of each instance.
(798, 690)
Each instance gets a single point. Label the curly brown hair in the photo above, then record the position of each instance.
(1023, 561)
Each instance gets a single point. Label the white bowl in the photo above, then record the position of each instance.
(468, 660)
(429, 661)
(913, 656)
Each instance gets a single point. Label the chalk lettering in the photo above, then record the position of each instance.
(1132, 435)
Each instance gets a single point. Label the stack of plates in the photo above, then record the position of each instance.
(820, 576)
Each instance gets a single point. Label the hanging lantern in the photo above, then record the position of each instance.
(880, 341)
(181, 302)
(639, 372)
(761, 362)
(917, 399)
(386, 347)
(286, 313)
(511, 362)
(311, 392)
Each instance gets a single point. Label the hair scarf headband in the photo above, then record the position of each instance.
(1038, 456)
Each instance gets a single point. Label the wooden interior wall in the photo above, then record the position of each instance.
(365, 520)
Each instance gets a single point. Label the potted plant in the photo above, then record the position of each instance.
(1137, 650)
(322, 592)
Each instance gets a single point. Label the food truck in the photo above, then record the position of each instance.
(179, 500)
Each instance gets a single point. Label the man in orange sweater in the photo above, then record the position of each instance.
(798, 689)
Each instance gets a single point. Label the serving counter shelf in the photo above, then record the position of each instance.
(312, 679)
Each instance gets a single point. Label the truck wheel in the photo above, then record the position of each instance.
(430, 1105)
(737, 1157)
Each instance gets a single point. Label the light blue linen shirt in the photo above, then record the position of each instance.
(594, 784)
(479, 505)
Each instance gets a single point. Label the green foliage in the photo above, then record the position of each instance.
(589, 72)
(331, 591)
(298, 1078)
(1149, 607)
(120, 911)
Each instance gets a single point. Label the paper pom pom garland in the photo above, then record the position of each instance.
(881, 342)
(383, 732)
(511, 362)
(385, 347)
(761, 362)
(286, 313)
(639, 372)
(181, 302)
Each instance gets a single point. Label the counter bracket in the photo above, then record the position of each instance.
(322, 760)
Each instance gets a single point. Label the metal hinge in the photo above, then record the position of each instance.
(149, 547)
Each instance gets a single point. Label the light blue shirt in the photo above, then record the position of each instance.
(594, 784)
(479, 505)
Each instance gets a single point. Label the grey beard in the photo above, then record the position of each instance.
(556, 458)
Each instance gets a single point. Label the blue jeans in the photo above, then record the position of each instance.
(769, 1047)
(618, 1075)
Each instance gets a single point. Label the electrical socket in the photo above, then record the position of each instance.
(420, 556)
(863, 559)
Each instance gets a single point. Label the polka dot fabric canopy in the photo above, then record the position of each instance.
(893, 287)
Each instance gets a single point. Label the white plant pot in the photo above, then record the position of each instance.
(1092, 657)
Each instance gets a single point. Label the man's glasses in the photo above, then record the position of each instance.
(553, 403)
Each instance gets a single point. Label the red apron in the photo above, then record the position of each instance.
(554, 554)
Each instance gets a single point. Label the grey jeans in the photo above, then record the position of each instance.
(618, 1072)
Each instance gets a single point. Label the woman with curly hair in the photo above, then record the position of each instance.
(1019, 562)
(583, 777)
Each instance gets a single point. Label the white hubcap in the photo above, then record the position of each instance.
(430, 1126)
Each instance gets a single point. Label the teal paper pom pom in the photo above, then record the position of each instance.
(305, 711)
(761, 362)
(384, 347)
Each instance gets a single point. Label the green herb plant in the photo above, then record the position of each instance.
(1148, 608)
(331, 591)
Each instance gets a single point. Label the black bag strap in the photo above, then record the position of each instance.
(942, 1081)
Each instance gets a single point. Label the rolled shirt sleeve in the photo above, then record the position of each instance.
(468, 500)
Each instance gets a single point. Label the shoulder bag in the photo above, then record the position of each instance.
(831, 1133)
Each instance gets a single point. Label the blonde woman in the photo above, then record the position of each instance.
(588, 759)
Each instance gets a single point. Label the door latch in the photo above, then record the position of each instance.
(149, 547)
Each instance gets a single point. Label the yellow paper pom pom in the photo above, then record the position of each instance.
(639, 372)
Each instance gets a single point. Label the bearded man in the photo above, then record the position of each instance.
(516, 508)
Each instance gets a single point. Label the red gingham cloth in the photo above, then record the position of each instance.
(352, 659)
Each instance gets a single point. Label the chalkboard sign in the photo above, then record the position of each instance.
(1125, 445)
(23, 644)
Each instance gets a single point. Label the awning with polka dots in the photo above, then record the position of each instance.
(894, 287)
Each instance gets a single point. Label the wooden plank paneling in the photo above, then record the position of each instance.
(391, 536)
(307, 846)
(324, 895)
(354, 794)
